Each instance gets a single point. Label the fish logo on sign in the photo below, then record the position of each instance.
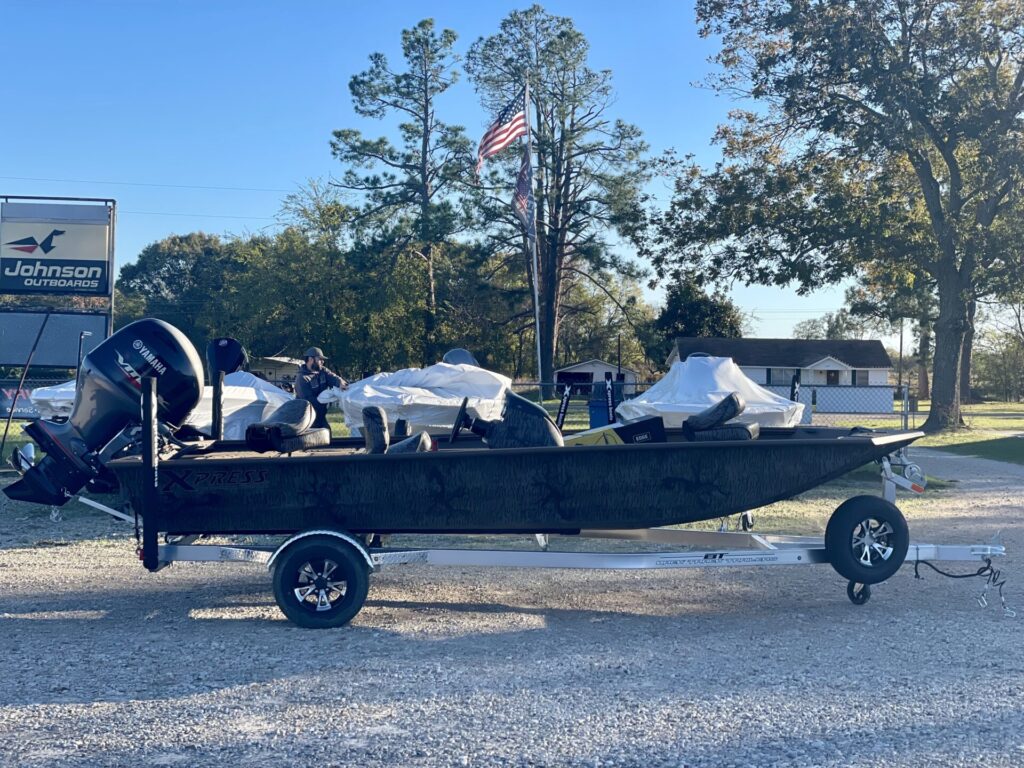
(30, 244)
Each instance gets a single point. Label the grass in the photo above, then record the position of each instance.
(1007, 448)
(976, 408)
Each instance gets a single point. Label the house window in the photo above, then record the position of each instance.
(782, 377)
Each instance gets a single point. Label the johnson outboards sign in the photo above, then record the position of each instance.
(57, 249)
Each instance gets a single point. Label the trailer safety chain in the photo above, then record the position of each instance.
(993, 578)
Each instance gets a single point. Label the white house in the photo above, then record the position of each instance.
(838, 376)
(593, 371)
(277, 370)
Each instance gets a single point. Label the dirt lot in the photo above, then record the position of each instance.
(103, 664)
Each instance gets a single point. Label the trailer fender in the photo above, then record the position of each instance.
(346, 537)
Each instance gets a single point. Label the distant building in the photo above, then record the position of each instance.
(582, 375)
(279, 371)
(840, 376)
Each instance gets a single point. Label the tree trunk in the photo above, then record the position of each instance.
(924, 356)
(965, 359)
(950, 329)
(548, 334)
(430, 317)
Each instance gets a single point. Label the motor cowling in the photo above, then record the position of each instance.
(109, 398)
(227, 355)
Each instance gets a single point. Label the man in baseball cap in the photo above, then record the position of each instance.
(313, 378)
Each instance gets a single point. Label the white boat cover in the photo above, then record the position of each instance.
(698, 382)
(54, 402)
(426, 398)
(247, 399)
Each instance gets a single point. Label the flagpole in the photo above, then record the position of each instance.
(533, 242)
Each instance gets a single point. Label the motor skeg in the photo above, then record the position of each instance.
(108, 399)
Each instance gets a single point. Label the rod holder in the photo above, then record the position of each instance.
(151, 489)
(218, 406)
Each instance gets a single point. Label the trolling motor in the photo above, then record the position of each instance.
(523, 424)
(226, 354)
(109, 398)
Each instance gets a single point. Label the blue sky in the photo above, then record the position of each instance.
(208, 113)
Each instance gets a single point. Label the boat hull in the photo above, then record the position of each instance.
(532, 490)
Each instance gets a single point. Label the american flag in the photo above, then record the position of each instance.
(507, 127)
(522, 200)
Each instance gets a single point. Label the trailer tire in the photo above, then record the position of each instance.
(866, 539)
(320, 582)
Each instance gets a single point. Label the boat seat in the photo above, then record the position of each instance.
(715, 423)
(378, 437)
(287, 429)
(726, 409)
(416, 444)
(375, 429)
(732, 430)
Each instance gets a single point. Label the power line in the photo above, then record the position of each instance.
(148, 184)
(198, 215)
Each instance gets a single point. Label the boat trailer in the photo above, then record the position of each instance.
(320, 577)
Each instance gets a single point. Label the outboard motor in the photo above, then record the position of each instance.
(109, 397)
(225, 354)
(459, 356)
(523, 424)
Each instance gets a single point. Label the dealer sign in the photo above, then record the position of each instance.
(55, 248)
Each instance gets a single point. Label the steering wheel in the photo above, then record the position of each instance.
(460, 421)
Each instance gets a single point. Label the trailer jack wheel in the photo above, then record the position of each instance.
(747, 521)
(858, 593)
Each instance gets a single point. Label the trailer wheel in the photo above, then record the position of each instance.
(866, 539)
(320, 582)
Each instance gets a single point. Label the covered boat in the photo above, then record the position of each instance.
(698, 382)
(425, 398)
(247, 399)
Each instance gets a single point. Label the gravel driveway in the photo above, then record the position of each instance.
(103, 664)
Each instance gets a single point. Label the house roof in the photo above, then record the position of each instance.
(786, 353)
(282, 360)
(574, 366)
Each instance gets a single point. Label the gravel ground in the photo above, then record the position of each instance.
(103, 664)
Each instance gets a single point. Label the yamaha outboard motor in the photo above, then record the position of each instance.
(109, 397)
(225, 354)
